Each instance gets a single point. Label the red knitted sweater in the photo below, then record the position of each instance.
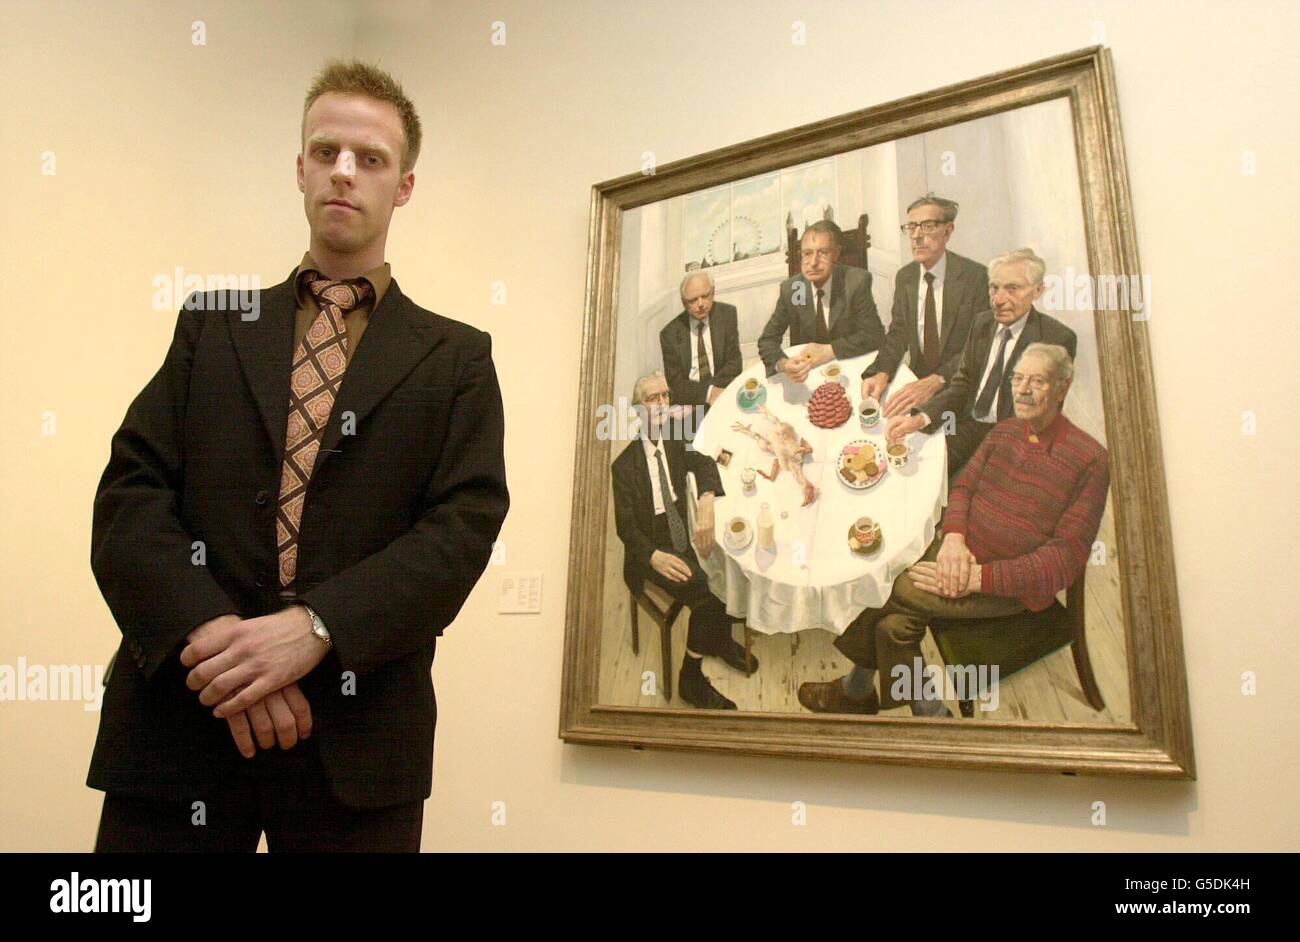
(1029, 506)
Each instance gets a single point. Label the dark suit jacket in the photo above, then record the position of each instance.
(852, 319)
(676, 341)
(399, 522)
(634, 499)
(965, 294)
(959, 395)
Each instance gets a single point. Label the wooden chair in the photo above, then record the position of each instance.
(663, 609)
(853, 253)
(1016, 641)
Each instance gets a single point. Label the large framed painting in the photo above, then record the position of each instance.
(868, 464)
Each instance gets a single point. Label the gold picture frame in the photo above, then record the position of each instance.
(1157, 742)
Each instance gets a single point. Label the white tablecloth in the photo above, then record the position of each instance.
(813, 579)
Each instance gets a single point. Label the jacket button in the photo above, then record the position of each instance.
(260, 499)
(261, 583)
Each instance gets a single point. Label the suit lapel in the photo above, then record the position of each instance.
(953, 286)
(836, 299)
(912, 291)
(396, 339)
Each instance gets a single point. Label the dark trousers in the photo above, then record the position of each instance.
(962, 443)
(710, 626)
(281, 792)
(889, 637)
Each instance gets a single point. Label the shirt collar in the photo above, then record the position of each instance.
(826, 291)
(1017, 328)
(939, 268)
(650, 445)
(1048, 436)
(380, 277)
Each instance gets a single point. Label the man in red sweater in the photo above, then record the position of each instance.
(1021, 519)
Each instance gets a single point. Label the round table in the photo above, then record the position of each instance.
(813, 579)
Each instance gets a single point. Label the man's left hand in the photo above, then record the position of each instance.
(914, 395)
(237, 664)
(925, 576)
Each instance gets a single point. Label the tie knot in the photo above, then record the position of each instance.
(1004, 333)
(345, 295)
(929, 278)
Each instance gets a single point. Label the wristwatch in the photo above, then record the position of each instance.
(318, 627)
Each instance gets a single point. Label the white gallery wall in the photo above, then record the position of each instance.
(173, 154)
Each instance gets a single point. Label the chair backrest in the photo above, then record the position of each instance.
(857, 241)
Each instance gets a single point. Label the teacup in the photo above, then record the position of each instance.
(737, 530)
(869, 412)
(864, 530)
(833, 373)
(896, 452)
(750, 388)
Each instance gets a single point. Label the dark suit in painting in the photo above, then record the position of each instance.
(853, 324)
(678, 341)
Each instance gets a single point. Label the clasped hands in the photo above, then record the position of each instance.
(674, 568)
(953, 575)
(247, 669)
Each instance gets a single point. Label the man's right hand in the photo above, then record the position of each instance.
(874, 386)
(283, 715)
(901, 426)
(669, 566)
(796, 369)
(954, 565)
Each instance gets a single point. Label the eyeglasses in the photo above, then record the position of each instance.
(927, 226)
(1036, 383)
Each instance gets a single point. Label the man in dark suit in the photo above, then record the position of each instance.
(935, 298)
(827, 306)
(288, 520)
(979, 395)
(701, 345)
(649, 478)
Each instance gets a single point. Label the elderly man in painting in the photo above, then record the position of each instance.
(827, 305)
(1021, 519)
(936, 296)
(701, 345)
(650, 515)
(979, 395)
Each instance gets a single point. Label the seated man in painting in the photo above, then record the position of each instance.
(701, 345)
(936, 296)
(1021, 519)
(650, 516)
(828, 306)
(980, 395)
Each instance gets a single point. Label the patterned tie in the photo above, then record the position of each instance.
(318, 365)
(706, 371)
(676, 528)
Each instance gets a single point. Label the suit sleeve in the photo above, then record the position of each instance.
(896, 340)
(868, 334)
(637, 544)
(396, 601)
(955, 396)
(140, 551)
(769, 342)
(731, 364)
(683, 388)
(707, 479)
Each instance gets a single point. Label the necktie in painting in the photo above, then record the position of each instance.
(985, 400)
(930, 349)
(823, 332)
(319, 362)
(706, 372)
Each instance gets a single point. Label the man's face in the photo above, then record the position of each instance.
(655, 398)
(1037, 393)
(352, 152)
(928, 247)
(697, 297)
(1011, 294)
(817, 256)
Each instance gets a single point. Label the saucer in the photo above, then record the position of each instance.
(748, 404)
(746, 538)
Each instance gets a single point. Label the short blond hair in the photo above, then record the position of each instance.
(354, 77)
